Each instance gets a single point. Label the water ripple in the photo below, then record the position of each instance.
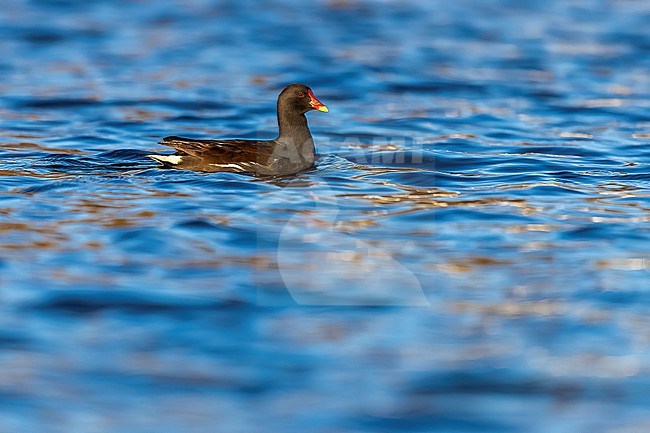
(492, 174)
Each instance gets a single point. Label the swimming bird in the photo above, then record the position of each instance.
(291, 152)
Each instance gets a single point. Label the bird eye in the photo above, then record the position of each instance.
(301, 94)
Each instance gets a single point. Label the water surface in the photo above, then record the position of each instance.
(470, 253)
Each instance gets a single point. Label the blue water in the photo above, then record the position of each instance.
(470, 253)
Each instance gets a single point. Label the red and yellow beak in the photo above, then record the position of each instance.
(316, 104)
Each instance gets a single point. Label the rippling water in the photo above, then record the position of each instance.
(469, 254)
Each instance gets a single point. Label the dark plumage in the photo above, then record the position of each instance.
(291, 152)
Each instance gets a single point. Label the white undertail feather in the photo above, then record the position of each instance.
(169, 159)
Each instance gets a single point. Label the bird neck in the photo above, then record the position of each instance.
(294, 129)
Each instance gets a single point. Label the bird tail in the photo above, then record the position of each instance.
(167, 160)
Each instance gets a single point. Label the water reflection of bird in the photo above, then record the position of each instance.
(291, 152)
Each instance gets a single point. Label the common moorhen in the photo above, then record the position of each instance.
(291, 152)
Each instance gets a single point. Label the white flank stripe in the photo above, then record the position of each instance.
(227, 165)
